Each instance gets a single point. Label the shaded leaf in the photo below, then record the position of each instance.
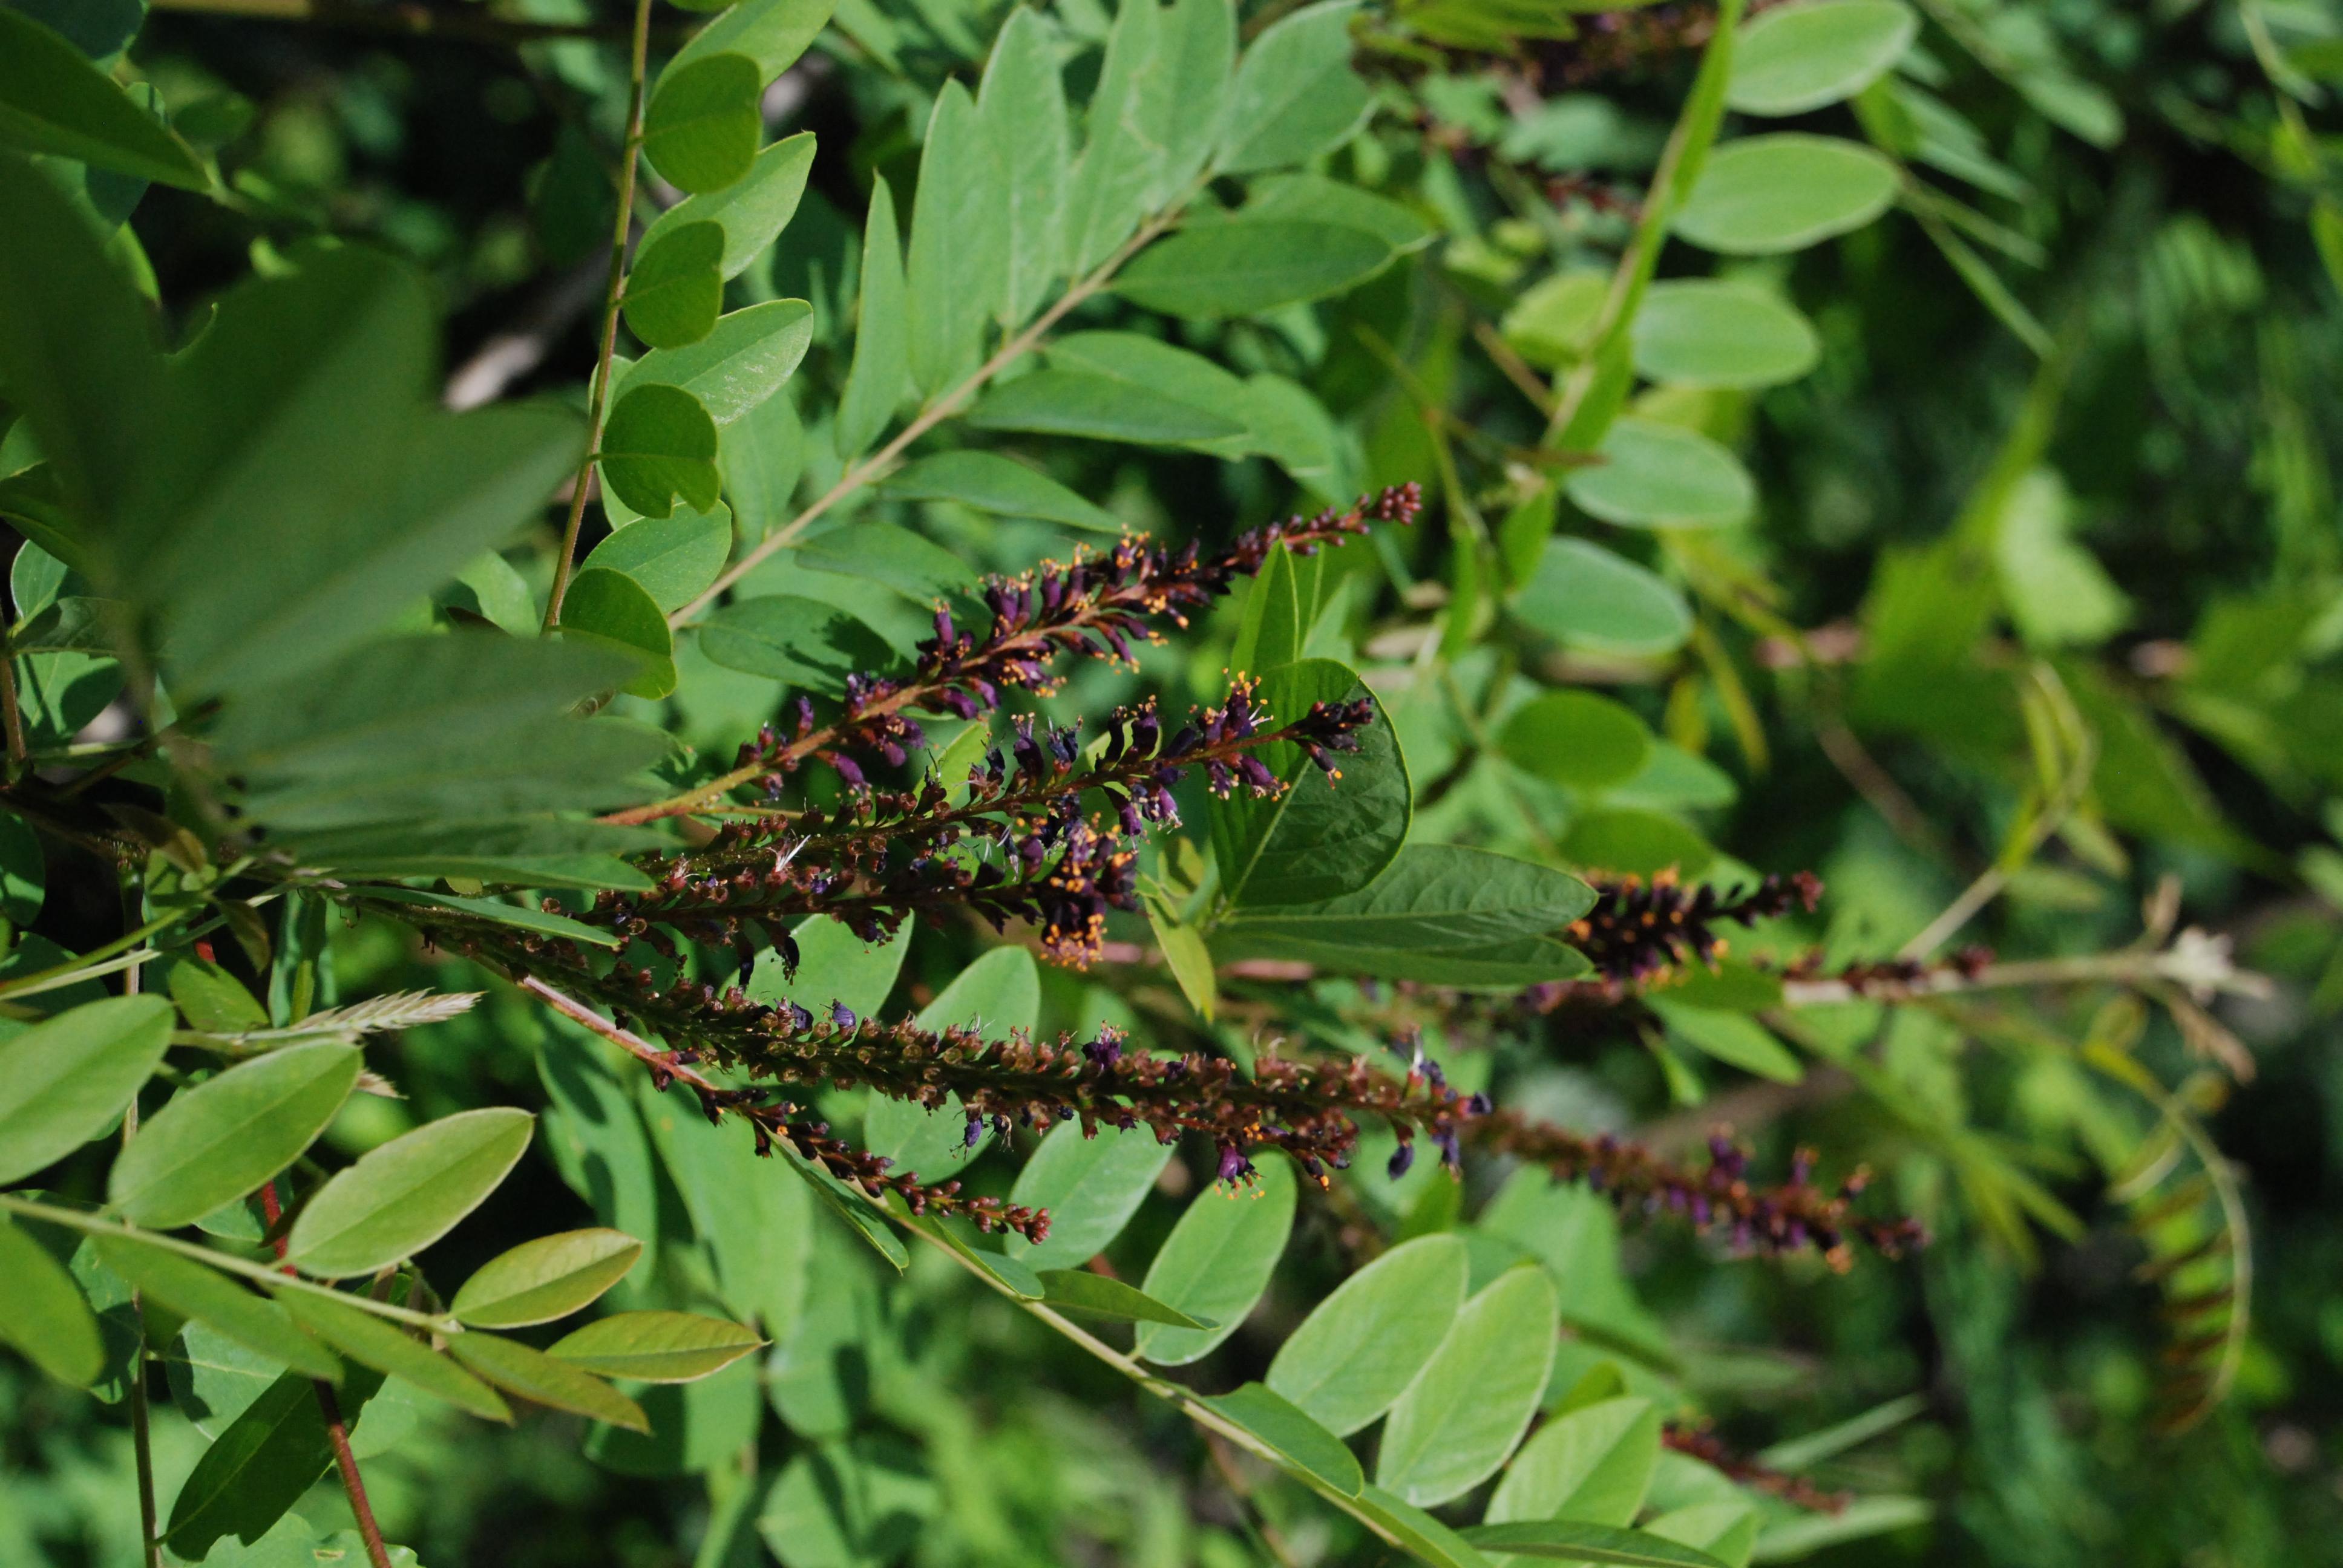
(401, 1198)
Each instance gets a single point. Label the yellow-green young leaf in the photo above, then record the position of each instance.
(1474, 1399)
(44, 1313)
(1783, 192)
(1296, 95)
(1247, 266)
(701, 128)
(1088, 1295)
(1593, 1465)
(1663, 477)
(1091, 1186)
(549, 1278)
(538, 1377)
(259, 1467)
(52, 100)
(1217, 1262)
(674, 290)
(370, 1341)
(658, 448)
(1577, 739)
(655, 1347)
(1362, 1345)
(63, 1082)
(1796, 58)
(612, 608)
(403, 1196)
(1301, 1442)
(224, 1138)
(1189, 959)
(752, 212)
(195, 1291)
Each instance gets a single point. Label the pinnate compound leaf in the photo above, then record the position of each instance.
(1295, 94)
(1362, 1346)
(224, 1138)
(1474, 1399)
(44, 1313)
(1575, 1542)
(751, 212)
(992, 483)
(547, 1277)
(656, 1346)
(611, 608)
(1090, 1187)
(1301, 1442)
(1217, 1262)
(881, 375)
(64, 1081)
(1000, 992)
(1083, 1294)
(53, 100)
(1246, 265)
(542, 1380)
(401, 1198)
(1663, 477)
(1792, 59)
(659, 446)
(195, 1291)
(701, 127)
(1587, 597)
(745, 358)
(674, 291)
(1762, 195)
(370, 1341)
(1022, 107)
(259, 1467)
(1321, 837)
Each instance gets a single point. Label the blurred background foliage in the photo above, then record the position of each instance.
(2055, 501)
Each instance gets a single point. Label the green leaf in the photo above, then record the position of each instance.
(1097, 407)
(611, 608)
(1091, 1186)
(370, 1341)
(63, 1082)
(74, 624)
(863, 1217)
(1731, 1037)
(1362, 1346)
(751, 212)
(1580, 1542)
(546, 1277)
(1314, 198)
(1321, 837)
(958, 232)
(1577, 739)
(860, 1503)
(1302, 1443)
(1624, 841)
(756, 1221)
(53, 100)
(1660, 476)
(1441, 913)
(1584, 594)
(992, 483)
(259, 1467)
(1705, 332)
(401, 1198)
(1272, 629)
(671, 559)
(834, 965)
(44, 1313)
(1799, 1534)
(1187, 956)
(517, 915)
(195, 1291)
(1792, 59)
(542, 1380)
(1762, 195)
(1217, 1262)
(745, 358)
(212, 999)
(1427, 1539)
(659, 447)
(919, 570)
(1246, 265)
(772, 33)
(1725, 1529)
(1156, 367)
(674, 290)
(881, 377)
(812, 646)
(1022, 107)
(1295, 94)
(1000, 992)
(655, 1347)
(697, 1428)
(1475, 1398)
(1087, 1295)
(1592, 1465)
(702, 125)
(763, 454)
(1122, 160)
(224, 1138)
(1195, 61)
(24, 872)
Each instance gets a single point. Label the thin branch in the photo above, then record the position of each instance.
(630, 154)
(12, 713)
(337, 1433)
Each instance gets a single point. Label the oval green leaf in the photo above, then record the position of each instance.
(1091, 1186)
(812, 646)
(671, 559)
(1577, 739)
(752, 212)
(1245, 266)
(674, 290)
(549, 1278)
(370, 1341)
(194, 1291)
(1083, 1294)
(1322, 838)
(701, 128)
(992, 483)
(539, 1378)
(1703, 332)
(1783, 192)
(53, 100)
(1301, 1442)
(1474, 1399)
(63, 1082)
(655, 1347)
(1658, 476)
(224, 1138)
(659, 447)
(1296, 95)
(1587, 597)
(1217, 1262)
(1795, 58)
(610, 608)
(1593, 1465)
(44, 1313)
(1362, 1345)
(744, 359)
(403, 1196)
(1099, 409)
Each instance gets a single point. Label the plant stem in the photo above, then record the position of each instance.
(936, 413)
(24, 984)
(348, 1464)
(142, 1444)
(12, 714)
(599, 403)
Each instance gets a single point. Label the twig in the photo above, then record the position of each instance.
(12, 714)
(629, 154)
(626, 1040)
(338, 1434)
(141, 1429)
